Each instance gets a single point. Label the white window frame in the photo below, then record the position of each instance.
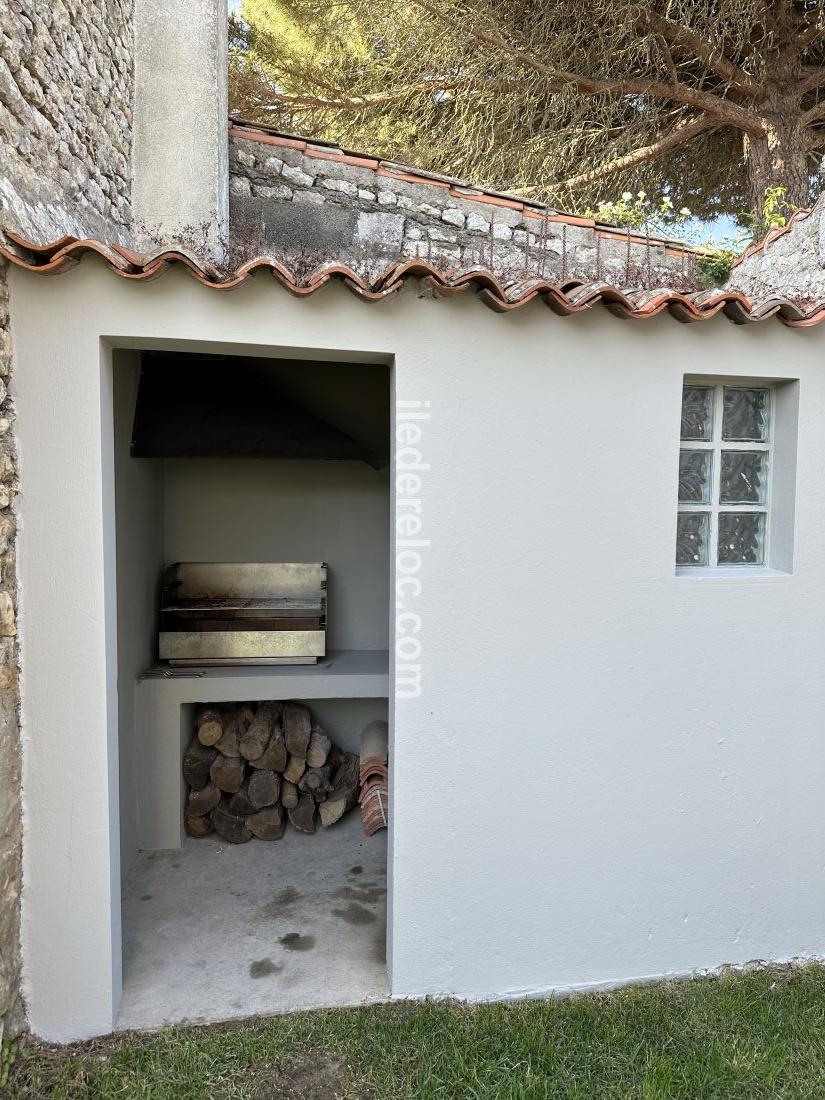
(715, 445)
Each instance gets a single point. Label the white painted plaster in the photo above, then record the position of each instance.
(267, 510)
(139, 570)
(662, 806)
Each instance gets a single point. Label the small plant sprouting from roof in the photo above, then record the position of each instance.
(714, 267)
(656, 218)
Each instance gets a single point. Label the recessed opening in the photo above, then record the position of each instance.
(233, 459)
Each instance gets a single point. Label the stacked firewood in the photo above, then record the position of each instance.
(250, 768)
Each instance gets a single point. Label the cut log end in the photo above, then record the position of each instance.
(235, 726)
(199, 826)
(297, 728)
(240, 803)
(227, 773)
(202, 801)
(318, 748)
(274, 756)
(289, 794)
(317, 782)
(209, 726)
(295, 768)
(197, 760)
(264, 787)
(268, 824)
(256, 738)
(302, 816)
(229, 826)
(344, 793)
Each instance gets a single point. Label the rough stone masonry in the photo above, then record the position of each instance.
(65, 140)
(308, 203)
(789, 262)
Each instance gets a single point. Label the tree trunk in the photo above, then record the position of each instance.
(778, 159)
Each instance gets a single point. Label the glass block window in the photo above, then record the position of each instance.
(724, 475)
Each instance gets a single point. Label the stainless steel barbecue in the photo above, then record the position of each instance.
(243, 613)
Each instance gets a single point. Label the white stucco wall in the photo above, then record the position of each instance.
(260, 509)
(139, 571)
(640, 755)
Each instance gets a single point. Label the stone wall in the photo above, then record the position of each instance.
(789, 263)
(65, 138)
(294, 199)
(65, 116)
(11, 1009)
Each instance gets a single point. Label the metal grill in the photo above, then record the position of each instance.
(243, 613)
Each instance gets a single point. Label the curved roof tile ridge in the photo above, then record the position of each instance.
(566, 299)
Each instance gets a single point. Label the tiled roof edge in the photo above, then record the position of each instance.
(457, 188)
(565, 299)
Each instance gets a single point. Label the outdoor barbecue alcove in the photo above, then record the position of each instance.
(242, 459)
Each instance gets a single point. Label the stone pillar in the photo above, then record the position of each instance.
(180, 190)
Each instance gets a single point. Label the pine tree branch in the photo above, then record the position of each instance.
(809, 36)
(680, 134)
(813, 116)
(725, 112)
(396, 95)
(813, 78)
(667, 57)
(707, 52)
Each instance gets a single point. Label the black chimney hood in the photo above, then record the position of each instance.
(199, 405)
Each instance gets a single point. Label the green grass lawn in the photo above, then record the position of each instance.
(759, 1034)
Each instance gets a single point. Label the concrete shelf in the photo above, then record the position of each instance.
(350, 680)
(342, 674)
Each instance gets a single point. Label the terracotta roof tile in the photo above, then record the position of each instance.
(564, 299)
(344, 158)
(407, 176)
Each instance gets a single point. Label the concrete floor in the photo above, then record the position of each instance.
(213, 930)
